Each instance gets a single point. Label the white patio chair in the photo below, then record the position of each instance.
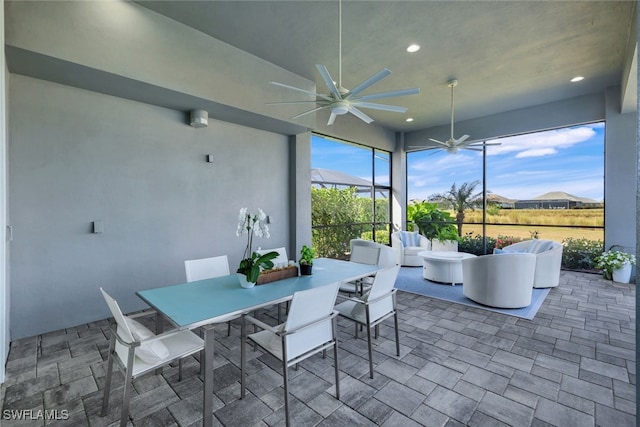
(369, 255)
(208, 268)
(374, 307)
(310, 328)
(137, 351)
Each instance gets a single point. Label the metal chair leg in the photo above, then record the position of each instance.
(124, 414)
(335, 358)
(243, 356)
(395, 318)
(370, 351)
(107, 384)
(285, 377)
(229, 328)
(180, 369)
(377, 330)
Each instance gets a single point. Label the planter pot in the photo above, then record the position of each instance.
(244, 282)
(444, 246)
(622, 274)
(305, 269)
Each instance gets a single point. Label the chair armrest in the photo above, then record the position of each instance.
(356, 300)
(262, 325)
(114, 334)
(381, 297)
(147, 312)
(333, 314)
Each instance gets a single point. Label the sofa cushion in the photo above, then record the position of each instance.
(545, 245)
(497, 251)
(409, 238)
(413, 250)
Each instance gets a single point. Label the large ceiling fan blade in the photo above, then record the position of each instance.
(369, 82)
(309, 112)
(328, 81)
(332, 119)
(438, 142)
(383, 107)
(466, 147)
(460, 140)
(328, 98)
(380, 95)
(359, 114)
(289, 102)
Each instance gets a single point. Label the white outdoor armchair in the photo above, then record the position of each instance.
(310, 328)
(548, 260)
(407, 245)
(503, 281)
(137, 351)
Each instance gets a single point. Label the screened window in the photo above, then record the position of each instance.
(351, 185)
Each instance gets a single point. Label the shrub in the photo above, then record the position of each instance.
(503, 241)
(473, 244)
(581, 254)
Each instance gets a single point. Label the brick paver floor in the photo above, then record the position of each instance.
(572, 365)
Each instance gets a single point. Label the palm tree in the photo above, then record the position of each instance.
(459, 199)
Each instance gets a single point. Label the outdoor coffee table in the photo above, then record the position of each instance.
(445, 267)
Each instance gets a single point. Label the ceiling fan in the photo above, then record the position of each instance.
(452, 144)
(340, 100)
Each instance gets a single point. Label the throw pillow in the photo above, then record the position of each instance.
(544, 246)
(152, 352)
(532, 248)
(410, 238)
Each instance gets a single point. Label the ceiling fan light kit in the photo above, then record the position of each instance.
(341, 101)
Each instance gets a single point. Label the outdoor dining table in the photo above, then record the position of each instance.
(205, 302)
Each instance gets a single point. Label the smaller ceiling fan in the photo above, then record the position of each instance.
(342, 101)
(452, 144)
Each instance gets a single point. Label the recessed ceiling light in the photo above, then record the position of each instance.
(577, 79)
(413, 48)
(409, 119)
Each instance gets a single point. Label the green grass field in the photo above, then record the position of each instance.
(523, 223)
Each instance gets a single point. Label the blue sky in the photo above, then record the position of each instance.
(522, 167)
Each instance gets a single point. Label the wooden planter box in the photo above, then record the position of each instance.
(279, 274)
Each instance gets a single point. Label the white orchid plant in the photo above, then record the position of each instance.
(252, 262)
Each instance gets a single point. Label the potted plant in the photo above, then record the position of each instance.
(306, 260)
(446, 239)
(252, 262)
(616, 265)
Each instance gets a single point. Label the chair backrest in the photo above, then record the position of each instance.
(123, 328)
(383, 283)
(282, 255)
(388, 255)
(365, 255)
(312, 305)
(206, 268)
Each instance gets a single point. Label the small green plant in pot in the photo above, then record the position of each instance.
(306, 260)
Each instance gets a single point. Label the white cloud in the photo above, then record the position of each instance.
(536, 143)
(536, 152)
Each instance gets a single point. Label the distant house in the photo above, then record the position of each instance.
(557, 200)
(501, 201)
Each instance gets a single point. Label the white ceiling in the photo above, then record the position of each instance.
(505, 54)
